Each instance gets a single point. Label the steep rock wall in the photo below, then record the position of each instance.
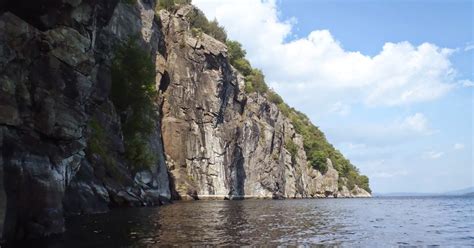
(55, 79)
(219, 141)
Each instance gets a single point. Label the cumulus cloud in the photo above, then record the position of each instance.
(401, 73)
(458, 146)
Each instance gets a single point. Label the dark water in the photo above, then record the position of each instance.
(377, 222)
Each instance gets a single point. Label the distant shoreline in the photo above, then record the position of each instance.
(422, 195)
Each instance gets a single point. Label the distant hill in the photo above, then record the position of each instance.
(464, 192)
(404, 194)
(469, 190)
(469, 194)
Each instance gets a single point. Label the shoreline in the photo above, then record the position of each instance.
(257, 197)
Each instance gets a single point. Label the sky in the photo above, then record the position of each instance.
(390, 83)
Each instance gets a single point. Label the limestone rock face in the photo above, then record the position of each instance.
(210, 139)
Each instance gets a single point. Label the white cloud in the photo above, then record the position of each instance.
(372, 137)
(432, 155)
(469, 47)
(458, 146)
(466, 83)
(318, 65)
(340, 108)
(416, 122)
(379, 137)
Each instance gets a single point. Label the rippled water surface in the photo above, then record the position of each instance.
(376, 222)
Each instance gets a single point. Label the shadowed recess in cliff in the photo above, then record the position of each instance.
(237, 175)
(164, 82)
(226, 90)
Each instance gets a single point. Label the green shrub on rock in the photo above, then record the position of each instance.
(258, 81)
(97, 144)
(243, 66)
(236, 55)
(197, 20)
(363, 182)
(165, 4)
(235, 51)
(133, 77)
(274, 97)
(139, 152)
(255, 80)
(292, 148)
(284, 109)
(133, 92)
(318, 161)
(181, 2)
(249, 87)
(170, 5)
(215, 30)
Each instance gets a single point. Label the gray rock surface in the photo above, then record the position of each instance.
(211, 139)
(55, 79)
(219, 141)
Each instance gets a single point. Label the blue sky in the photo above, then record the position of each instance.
(389, 82)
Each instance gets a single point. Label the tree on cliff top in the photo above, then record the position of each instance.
(169, 5)
(198, 21)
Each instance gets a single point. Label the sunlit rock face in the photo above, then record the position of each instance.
(211, 139)
(219, 141)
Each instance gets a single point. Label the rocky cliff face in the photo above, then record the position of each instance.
(210, 140)
(220, 141)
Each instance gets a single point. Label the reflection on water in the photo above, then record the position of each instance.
(347, 222)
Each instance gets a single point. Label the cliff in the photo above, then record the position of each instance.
(65, 139)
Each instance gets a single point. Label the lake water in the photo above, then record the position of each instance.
(376, 222)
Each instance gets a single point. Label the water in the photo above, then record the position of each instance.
(376, 222)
